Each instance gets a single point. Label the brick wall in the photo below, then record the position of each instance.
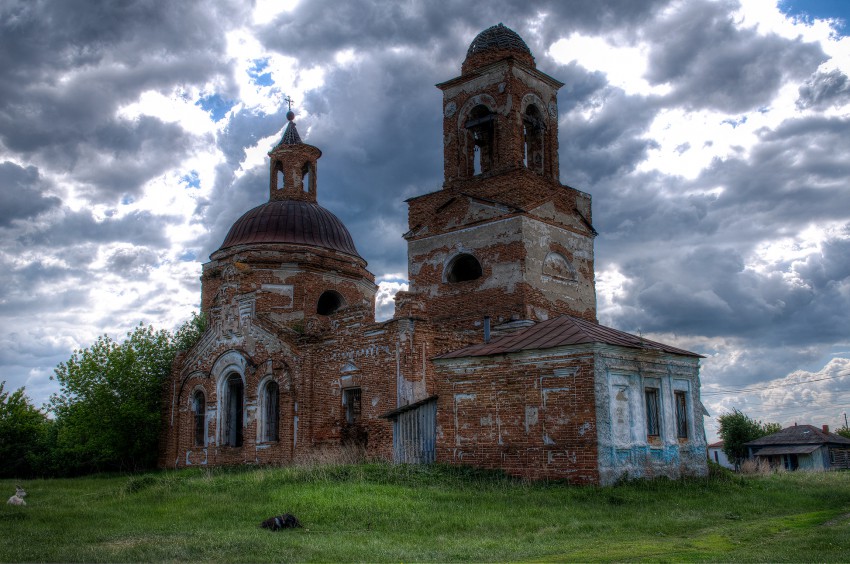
(530, 416)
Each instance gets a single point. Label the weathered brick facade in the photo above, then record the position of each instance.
(493, 358)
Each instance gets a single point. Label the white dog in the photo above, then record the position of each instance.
(18, 498)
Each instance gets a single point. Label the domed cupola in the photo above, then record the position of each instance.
(495, 43)
(289, 261)
(292, 215)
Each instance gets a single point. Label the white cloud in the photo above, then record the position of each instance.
(624, 65)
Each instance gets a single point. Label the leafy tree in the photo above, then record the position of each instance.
(23, 434)
(770, 428)
(108, 408)
(844, 432)
(190, 332)
(737, 428)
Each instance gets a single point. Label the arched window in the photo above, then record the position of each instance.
(199, 410)
(306, 173)
(462, 268)
(271, 412)
(534, 128)
(234, 400)
(277, 176)
(480, 129)
(329, 303)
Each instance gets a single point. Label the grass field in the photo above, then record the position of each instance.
(379, 512)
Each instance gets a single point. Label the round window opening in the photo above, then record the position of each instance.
(329, 303)
(463, 268)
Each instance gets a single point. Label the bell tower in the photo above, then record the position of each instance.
(503, 238)
(501, 113)
(293, 166)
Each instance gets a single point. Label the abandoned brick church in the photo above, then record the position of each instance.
(494, 357)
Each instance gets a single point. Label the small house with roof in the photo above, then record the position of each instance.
(802, 447)
(494, 357)
(718, 456)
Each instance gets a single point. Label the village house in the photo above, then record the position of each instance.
(802, 447)
(718, 456)
(494, 357)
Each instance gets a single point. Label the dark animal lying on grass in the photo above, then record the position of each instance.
(285, 521)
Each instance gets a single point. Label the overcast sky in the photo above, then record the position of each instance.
(713, 136)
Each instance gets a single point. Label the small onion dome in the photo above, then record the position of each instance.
(291, 221)
(495, 43)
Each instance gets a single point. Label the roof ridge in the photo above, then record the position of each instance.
(563, 330)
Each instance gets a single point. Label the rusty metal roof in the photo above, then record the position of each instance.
(291, 221)
(559, 332)
(787, 449)
(799, 435)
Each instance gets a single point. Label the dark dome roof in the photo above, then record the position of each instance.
(291, 221)
(499, 38)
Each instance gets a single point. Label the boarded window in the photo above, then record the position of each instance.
(653, 421)
(351, 402)
(681, 415)
(271, 411)
(199, 408)
(839, 458)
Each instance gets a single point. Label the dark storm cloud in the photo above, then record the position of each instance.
(442, 30)
(711, 63)
(382, 144)
(21, 348)
(135, 263)
(700, 285)
(307, 32)
(611, 143)
(39, 288)
(230, 198)
(244, 129)
(709, 292)
(824, 89)
(127, 154)
(377, 122)
(66, 67)
(75, 228)
(796, 175)
(22, 193)
(26, 279)
(378, 119)
(579, 85)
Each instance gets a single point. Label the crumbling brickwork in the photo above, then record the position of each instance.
(493, 358)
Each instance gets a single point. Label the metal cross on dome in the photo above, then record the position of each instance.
(288, 101)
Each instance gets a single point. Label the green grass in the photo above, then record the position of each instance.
(379, 512)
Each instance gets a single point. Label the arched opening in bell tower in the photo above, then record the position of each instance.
(480, 140)
(306, 176)
(533, 132)
(278, 178)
